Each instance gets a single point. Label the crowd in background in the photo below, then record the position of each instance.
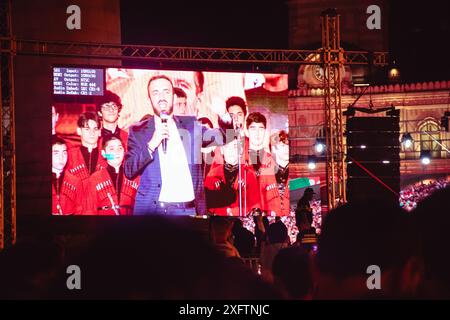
(413, 194)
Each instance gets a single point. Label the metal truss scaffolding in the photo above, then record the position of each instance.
(333, 62)
(187, 54)
(7, 143)
(333, 57)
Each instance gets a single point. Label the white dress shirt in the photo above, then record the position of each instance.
(175, 175)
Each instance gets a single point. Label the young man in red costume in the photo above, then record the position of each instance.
(86, 159)
(261, 165)
(109, 191)
(66, 188)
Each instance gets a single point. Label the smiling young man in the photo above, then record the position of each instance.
(108, 108)
(108, 191)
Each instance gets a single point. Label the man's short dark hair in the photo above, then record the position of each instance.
(220, 225)
(199, 79)
(108, 139)
(277, 137)
(257, 118)
(154, 78)
(108, 97)
(292, 267)
(236, 101)
(244, 240)
(85, 117)
(357, 235)
(179, 92)
(58, 140)
(277, 232)
(280, 136)
(205, 121)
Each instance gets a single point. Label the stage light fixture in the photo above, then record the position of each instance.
(425, 157)
(407, 140)
(311, 162)
(319, 146)
(394, 72)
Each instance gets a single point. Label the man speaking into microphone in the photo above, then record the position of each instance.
(237, 108)
(165, 151)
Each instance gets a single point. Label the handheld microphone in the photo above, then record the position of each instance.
(164, 117)
(236, 125)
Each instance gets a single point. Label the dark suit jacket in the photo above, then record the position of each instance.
(139, 161)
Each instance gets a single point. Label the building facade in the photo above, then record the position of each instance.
(421, 107)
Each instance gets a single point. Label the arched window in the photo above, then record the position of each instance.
(429, 134)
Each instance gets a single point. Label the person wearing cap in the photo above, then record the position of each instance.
(303, 213)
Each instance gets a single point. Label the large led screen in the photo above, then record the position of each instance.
(174, 143)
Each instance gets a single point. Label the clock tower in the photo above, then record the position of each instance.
(305, 33)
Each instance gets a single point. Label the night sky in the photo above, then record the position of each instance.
(210, 23)
(418, 42)
(419, 39)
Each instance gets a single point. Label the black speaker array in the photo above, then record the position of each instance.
(374, 143)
